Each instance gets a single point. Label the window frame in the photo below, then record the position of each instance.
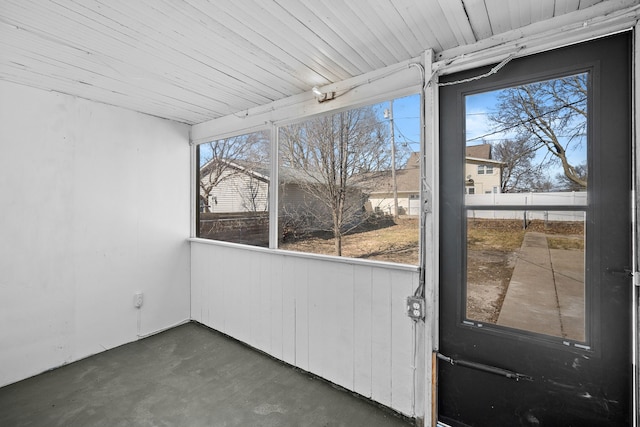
(195, 193)
(485, 169)
(296, 112)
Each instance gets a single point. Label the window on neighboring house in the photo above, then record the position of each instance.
(471, 190)
(485, 169)
(335, 189)
(233, 184)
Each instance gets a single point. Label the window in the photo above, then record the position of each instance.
(336, 192)
(533, 176)
(485, 169)
(233, 181)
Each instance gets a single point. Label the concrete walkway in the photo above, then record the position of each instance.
(546, 292)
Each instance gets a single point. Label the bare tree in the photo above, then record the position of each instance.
(250, 193)
(551, 114)
(223, 159)
(518, 173)
(330, 159)
(567, 184)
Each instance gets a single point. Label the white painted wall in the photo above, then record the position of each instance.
(342, 320)
(94, 205)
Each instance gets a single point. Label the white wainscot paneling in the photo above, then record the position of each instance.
(343, 321)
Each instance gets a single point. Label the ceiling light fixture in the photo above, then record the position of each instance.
(322, 96)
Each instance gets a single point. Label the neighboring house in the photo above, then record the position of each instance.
(381, 198)
(291, 192)
(304, 204)
(482, 175)
(241, 187)
(244, 187)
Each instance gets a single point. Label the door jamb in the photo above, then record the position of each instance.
(635, 206)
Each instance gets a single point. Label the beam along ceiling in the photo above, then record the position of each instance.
(197, 60)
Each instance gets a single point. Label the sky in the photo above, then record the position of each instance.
(406, 121)
(406, 113)
(478, 126)
(479, 129)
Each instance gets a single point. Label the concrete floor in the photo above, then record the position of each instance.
(187, 376)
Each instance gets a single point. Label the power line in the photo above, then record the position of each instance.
(529, 120)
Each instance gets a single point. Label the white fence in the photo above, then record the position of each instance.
(529, 203)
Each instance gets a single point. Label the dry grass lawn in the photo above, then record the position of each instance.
(396, 243)
(492, 247)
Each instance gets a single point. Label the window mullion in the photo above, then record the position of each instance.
(273, 188)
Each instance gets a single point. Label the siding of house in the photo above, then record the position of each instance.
(291, 195)
(239, 192)
(483, 183)
(295, 201)
(384, 202)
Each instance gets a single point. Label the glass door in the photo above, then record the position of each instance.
(535, 308)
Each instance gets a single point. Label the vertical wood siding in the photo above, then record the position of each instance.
(344, 322)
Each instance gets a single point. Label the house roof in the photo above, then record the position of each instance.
(482, 151)
(413, 161)
(408, 181)
(194, 61)
(256, 170)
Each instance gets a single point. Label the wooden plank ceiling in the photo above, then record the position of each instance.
(196, 60)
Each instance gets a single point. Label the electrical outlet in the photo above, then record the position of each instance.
(415, 308)
(138, 299)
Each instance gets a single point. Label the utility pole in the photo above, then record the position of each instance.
(388, 114)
